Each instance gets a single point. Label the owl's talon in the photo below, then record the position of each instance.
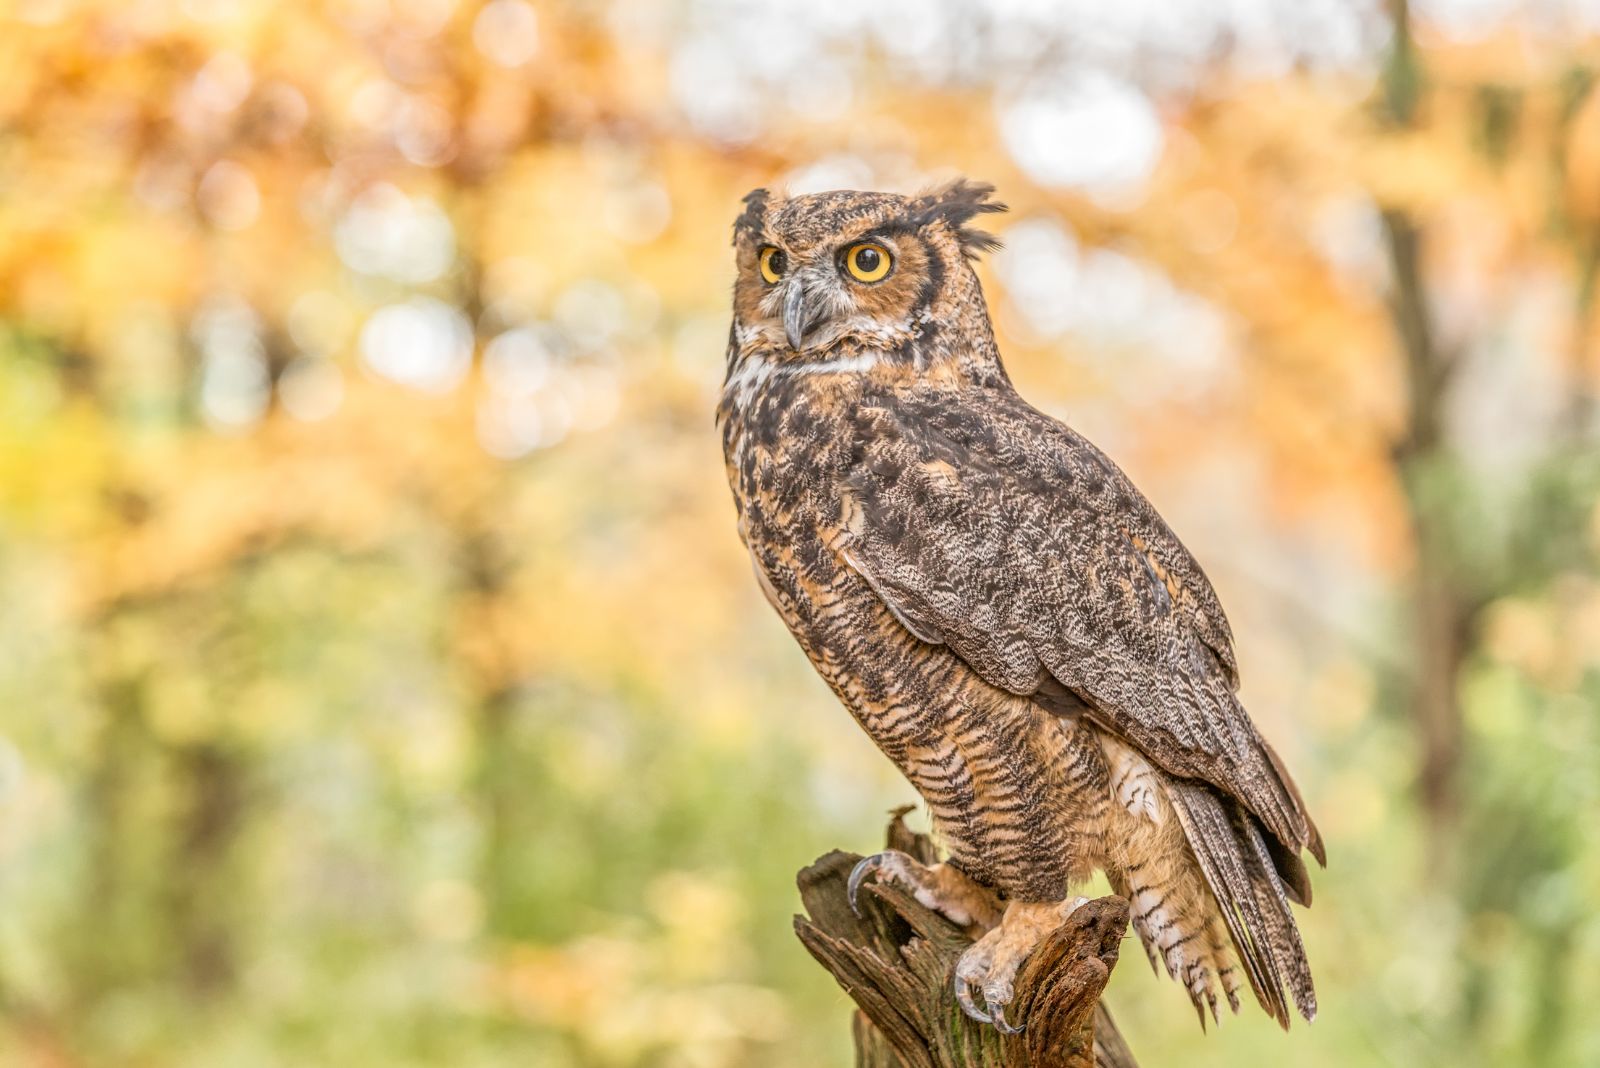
(992, 962)
(964, 999)
(945, 889)
(858, 874)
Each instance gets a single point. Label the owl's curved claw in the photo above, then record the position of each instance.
(858, 874)
(997, 1013)
(1004, 1026)
(964, 999)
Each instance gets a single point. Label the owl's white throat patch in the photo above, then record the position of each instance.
(757, 370)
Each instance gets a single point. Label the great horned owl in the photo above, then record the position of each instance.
(999, 608)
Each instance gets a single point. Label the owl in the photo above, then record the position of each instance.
(1002, 612)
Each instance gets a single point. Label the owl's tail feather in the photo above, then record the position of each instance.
(1243, 876)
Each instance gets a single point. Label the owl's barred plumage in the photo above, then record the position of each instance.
(1006, 616)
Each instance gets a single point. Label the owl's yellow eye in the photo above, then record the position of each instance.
(867, 262)
(773, 264)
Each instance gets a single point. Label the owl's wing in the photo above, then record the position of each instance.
(1006, 536)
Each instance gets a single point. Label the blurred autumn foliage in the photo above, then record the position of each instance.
(384, 683)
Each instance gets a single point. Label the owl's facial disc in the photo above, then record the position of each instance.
(845, 271)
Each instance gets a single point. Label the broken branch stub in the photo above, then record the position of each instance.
(896, 960)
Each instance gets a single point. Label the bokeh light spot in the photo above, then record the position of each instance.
(507, 32)
(423, 343)
(228, 196)
(387, 233)
(1088, 131)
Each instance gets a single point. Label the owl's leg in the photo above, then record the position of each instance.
(991, 963)
(947, 890)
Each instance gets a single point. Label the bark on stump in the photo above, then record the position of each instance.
(897, 958)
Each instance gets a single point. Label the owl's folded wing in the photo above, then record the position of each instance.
(1006, 536)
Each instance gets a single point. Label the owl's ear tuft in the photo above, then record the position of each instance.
(749, 223)
(956, 204)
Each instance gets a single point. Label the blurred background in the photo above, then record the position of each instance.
(382, 679)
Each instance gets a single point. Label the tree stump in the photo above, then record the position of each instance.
(897, 958)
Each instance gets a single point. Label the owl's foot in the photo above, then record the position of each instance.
(945, 889)
(991, 963)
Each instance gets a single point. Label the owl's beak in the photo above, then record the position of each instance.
(800, 313)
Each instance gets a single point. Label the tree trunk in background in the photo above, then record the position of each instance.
(496, 764)
(1580, 414)
(1442, 609)
(203, 921)
(93, 952)
(484, 571)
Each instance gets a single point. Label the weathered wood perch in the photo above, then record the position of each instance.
(897, 958)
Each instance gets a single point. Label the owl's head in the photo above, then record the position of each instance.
(845, 271)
